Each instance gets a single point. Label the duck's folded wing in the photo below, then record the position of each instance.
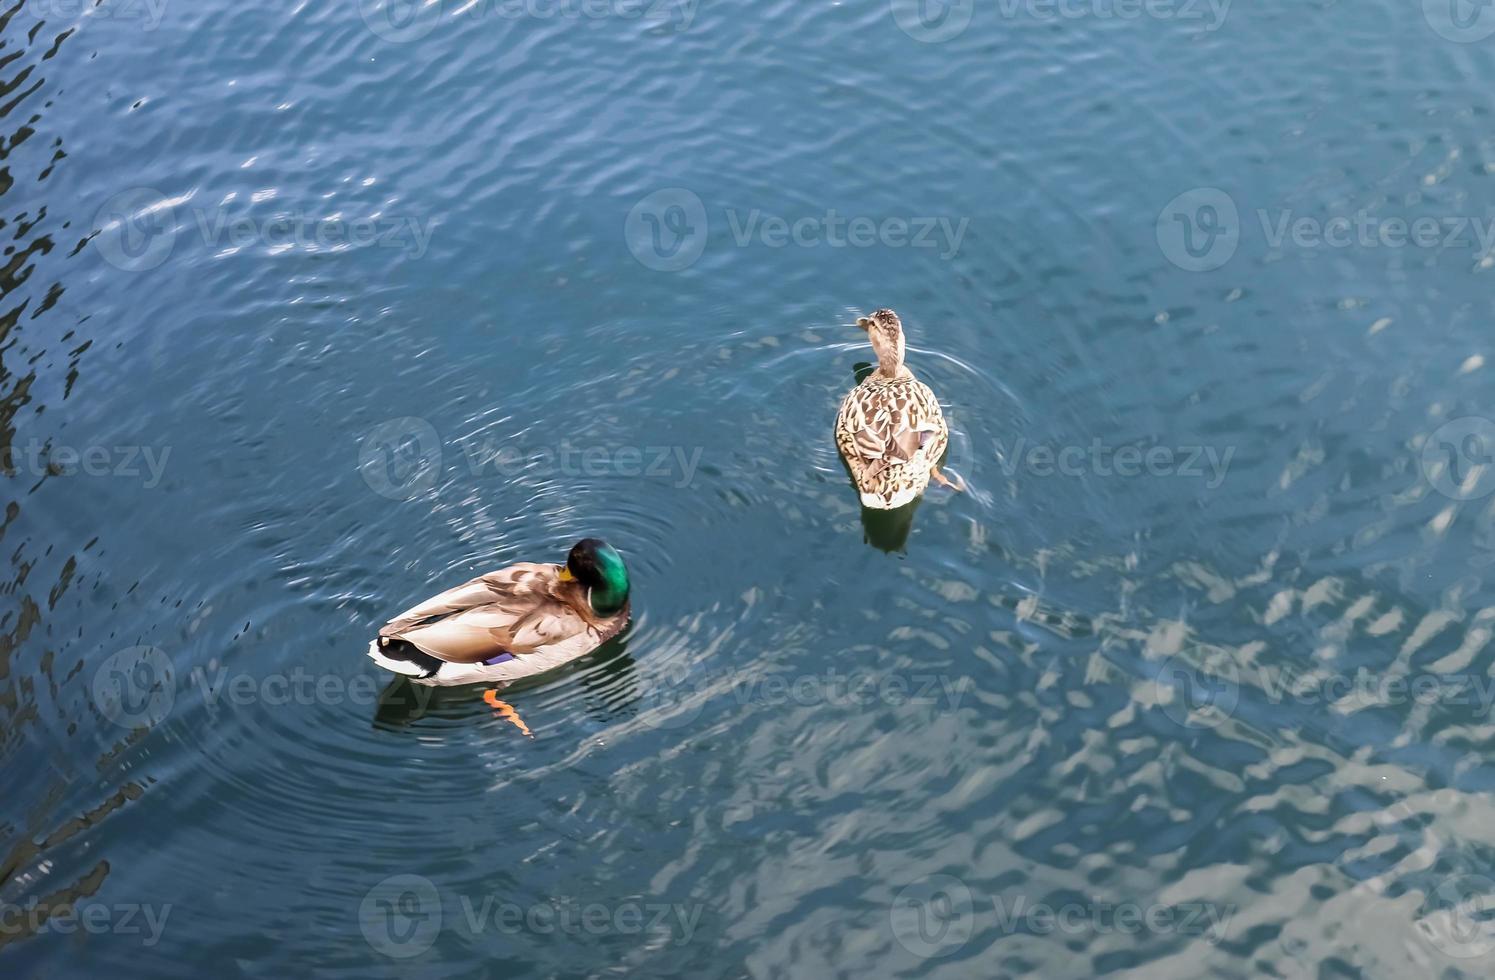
(481, 633)
(870, 443)
(525, 578)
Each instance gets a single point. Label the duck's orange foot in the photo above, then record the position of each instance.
(958, 485)
(506, 712)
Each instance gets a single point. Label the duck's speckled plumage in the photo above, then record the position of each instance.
(890, 429)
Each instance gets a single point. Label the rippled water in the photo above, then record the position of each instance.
(310, 311)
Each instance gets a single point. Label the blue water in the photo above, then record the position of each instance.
(311, 310)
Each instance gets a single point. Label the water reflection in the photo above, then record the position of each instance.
(888, 530)
(605, 681)
(47, 866)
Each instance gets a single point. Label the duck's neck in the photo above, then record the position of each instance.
(887, 344)
(890, 366)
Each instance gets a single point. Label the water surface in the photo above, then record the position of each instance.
(311, 311)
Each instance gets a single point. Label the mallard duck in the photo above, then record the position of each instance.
(890, 429)
(511, 623)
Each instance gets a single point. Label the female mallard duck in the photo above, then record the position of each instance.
(512, 623)
(890, 429)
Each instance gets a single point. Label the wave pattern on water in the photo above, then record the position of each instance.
(1188, 690)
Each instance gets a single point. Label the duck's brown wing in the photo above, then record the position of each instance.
(882, 425)
(513, 610)
(484, 632)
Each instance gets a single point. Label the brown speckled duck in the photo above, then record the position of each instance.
(890, 429)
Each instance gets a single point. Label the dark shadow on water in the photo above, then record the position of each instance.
(402, 702)
(888, 530)
(609, 684)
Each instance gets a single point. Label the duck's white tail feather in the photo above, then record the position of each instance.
(398, 666)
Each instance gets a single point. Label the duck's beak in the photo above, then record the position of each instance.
(565, 575)
(863, 322)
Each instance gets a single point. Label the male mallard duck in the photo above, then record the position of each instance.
(890, 429)
(512, 623)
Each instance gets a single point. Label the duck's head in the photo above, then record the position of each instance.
(885, 331)
(599, 569)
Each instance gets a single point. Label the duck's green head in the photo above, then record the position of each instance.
(598, 566)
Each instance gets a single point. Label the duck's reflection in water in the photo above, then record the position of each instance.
(888, 530)
(608, 688)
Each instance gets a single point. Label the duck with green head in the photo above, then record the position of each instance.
(517, 621)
